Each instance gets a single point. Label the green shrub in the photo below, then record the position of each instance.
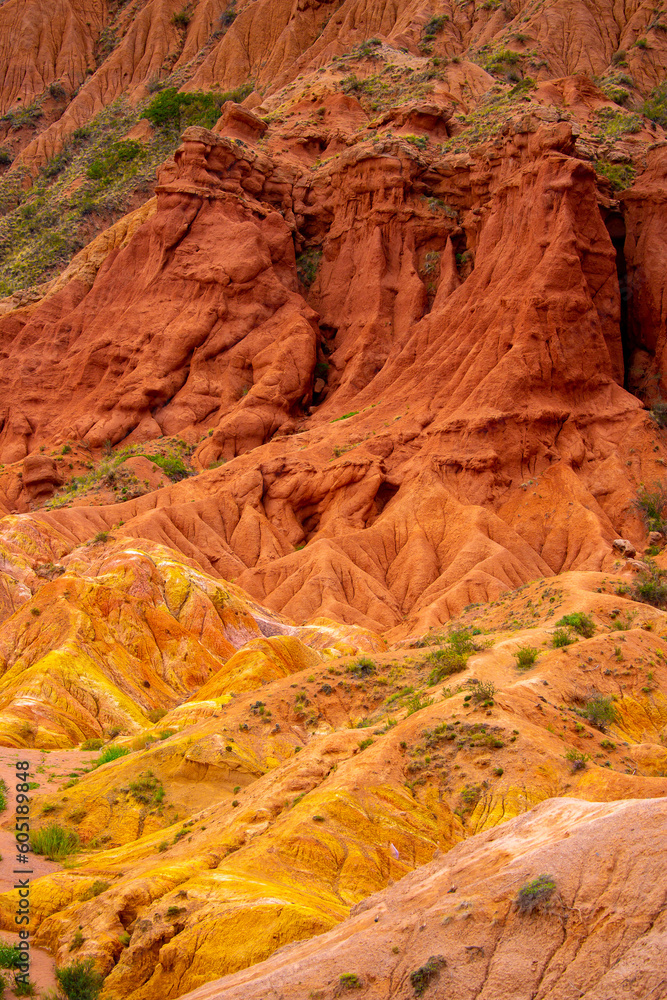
(94, 744)
(609, 123)
(614, 92)
(110, 753)
(54, 842)
(181, 19)
(172, 466)
(577, 759)
(96, 889)
(80, 981)
(3, 794)
(650, 585)
(349, 981)
(24, 988)
(652, 506)
(146, 789)
(172, 110)
(229, 16)
(446, 662)
(535, 894)
(363, 667)
(420, 141)
(307, 265)
(502, 60)
(600, 711)
(483, 692)
(415, 704)
(10, 956)
(580, 622)
(523, 86)
(117, 153)
(655, 105)
(525, 657)
(5, 157)
(422, 977)
(77, 940)
(434, 26)
(619, 175)
(561, 637)
(57, 164)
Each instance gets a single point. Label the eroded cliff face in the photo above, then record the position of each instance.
(465, 337)
(332, 425)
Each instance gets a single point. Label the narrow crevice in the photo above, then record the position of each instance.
(615, 224)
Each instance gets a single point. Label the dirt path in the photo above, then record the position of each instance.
(45, 767)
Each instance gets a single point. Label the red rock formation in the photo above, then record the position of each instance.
(503, 376)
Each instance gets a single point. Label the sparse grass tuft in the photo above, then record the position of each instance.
(109, 754)
(525, 657)
(581, 623)
(80, 981)
(600, 712)
(422, 977)
(577, 759)
(561, 637)
(535, 894)
(54, 842)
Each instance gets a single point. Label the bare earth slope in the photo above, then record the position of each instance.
(332, 502)
(451, 929)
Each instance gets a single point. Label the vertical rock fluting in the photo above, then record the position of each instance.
(460, 383)
(198, 309)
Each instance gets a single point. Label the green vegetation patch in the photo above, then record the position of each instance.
(651, 503)
(619, 175)
(174, 111)
(55, 842)
(105, 166)
(612, 124)
(650, 585)
(122, 482)
(534, 895)
(147, 789)
(393, 85)
(600, 711)
(655, 105)
(80, 981)
(109, 754)
(44, 224)
(422, 977)
(580, 622)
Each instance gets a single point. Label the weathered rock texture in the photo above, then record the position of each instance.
(386, 350)
(455, 921)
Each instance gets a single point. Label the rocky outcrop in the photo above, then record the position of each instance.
(385, 351)
(481, 291)
(471, 935)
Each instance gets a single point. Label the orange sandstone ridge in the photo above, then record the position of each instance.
(331, 505)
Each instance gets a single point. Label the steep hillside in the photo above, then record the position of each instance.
(332, 498)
